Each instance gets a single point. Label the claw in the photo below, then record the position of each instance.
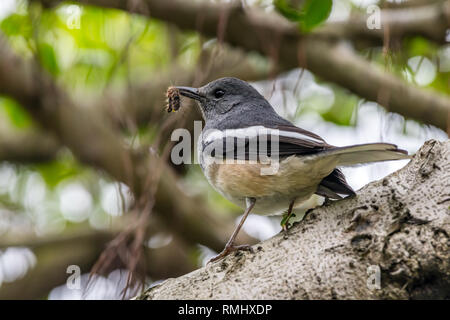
(229, 249)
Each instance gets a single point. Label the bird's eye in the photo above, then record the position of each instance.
(219, 93)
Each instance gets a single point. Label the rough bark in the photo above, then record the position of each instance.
(400, 224)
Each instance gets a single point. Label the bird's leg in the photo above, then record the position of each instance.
(230, 247)
(327, 201)
(285, 221)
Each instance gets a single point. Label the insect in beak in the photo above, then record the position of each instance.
(173, 96)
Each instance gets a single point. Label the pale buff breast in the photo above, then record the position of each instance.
(294, 178)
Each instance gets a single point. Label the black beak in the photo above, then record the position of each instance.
(189, 92)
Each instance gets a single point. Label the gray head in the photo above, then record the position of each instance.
(224, 97)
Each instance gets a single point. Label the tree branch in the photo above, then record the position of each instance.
(398, 226)
(27, 146)
(430, 21)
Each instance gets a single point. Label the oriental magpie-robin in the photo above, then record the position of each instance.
(243, 127)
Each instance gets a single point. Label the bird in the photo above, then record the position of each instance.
(242, 129)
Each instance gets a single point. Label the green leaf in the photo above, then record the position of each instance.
(316, 12)
(16, 114)
(48, 59)
(289, 12)
(17, 25)
(419, 46)
(309, 13)
(441, 82)
(342, 112)
(284, 219)
(56, 171)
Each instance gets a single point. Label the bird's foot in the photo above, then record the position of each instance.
(327, 202)
(285, 225)
(229, 249)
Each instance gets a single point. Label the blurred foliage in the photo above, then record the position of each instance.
(54, 172)
(92, 48)
(17, 25)
(418, 46)
(87, 50)
(13, 111)
(308, 13)
(342, 112)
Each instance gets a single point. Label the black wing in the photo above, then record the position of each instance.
(238, 144)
